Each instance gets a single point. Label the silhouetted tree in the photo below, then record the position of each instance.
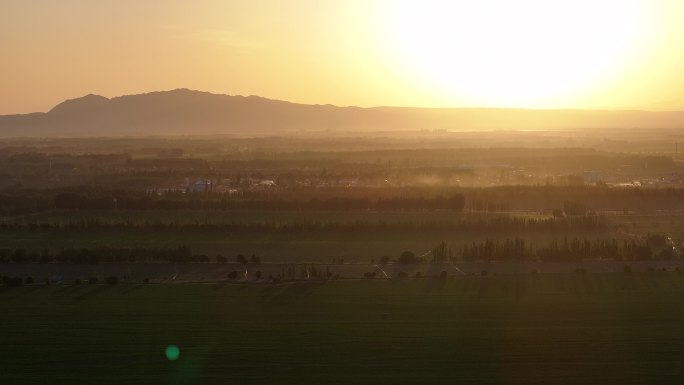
(407, 257)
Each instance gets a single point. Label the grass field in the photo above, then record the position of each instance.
(526, 329)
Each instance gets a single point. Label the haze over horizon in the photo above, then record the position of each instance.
(614, 55)
(188, 112)
(184, 89)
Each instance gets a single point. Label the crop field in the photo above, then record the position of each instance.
(517, 329)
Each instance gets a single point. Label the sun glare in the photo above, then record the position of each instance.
(526, 53)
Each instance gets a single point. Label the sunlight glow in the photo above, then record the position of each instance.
(524, 53)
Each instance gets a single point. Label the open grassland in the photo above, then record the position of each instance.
(516, 329)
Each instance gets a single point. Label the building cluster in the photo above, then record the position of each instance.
(500, 175)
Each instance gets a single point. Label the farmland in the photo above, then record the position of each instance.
(299, 265)
(569, 328)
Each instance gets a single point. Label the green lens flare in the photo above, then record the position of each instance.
(172, 352)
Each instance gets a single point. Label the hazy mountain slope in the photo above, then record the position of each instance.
(193, 112)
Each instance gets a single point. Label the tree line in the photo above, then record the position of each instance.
(455, 202)
(181, 254)
(458, 224)
(489, 250)
(573, 200)
(567, 249)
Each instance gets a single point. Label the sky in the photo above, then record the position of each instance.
(584, 54)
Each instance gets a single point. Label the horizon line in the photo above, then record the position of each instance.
(590, 109)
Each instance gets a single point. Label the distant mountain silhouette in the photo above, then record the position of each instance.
(186, 112)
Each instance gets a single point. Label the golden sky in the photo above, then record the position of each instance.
(459, 53)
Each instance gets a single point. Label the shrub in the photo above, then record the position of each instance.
(402, 275)
(28, 281)
(112, 280)
(14, 281)
(443, 275)
(77, 281)
(146, 281)
(627, 269)
(418, 274)
(257, 274)
(221, 259)
(232, 275)
(483, 273)
(241, 259)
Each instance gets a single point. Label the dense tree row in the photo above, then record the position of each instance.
(573, 249)
(574, 200)
(458, 224)
(455, 202)
(23, 201)
(571, 200)
(489, 250)
(519, 249)
(101, 255)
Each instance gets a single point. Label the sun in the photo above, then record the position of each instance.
(523, 53)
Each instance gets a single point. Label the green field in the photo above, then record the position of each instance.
(515, 329)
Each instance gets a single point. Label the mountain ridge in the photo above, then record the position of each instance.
(188, 112)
